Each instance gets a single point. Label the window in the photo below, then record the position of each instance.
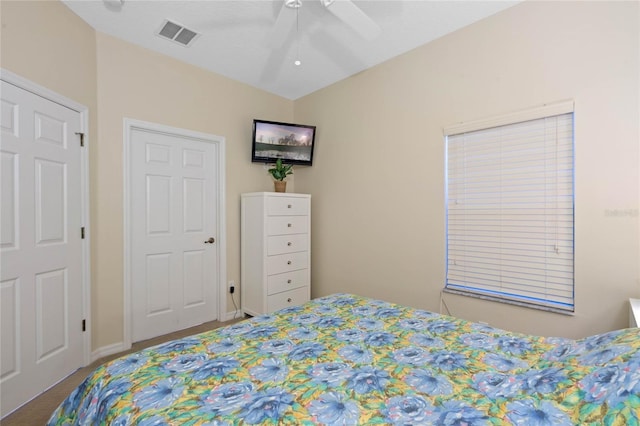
(510, 209)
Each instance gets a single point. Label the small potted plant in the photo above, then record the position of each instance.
(279, 172)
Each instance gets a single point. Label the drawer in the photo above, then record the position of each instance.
(288, 298)
(287, 281)
(287, 262)
(284, 206)
(279, 225)
(279, 244)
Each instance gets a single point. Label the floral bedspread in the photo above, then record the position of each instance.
(346, 359)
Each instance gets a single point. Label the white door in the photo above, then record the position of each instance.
(174, 270)
(41, 293)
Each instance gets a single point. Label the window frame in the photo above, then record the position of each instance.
(516, 118)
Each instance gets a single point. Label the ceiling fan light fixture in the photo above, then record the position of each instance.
(353, 16)
(113, 5)
(297, 61)
(293, 4)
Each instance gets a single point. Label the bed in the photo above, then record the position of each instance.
(346, 359)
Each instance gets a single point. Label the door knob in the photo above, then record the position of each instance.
(210, 241)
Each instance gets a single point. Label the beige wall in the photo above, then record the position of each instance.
(48, 44)
(378, 174)
(143, 85)
(377, 180)
(45, 42)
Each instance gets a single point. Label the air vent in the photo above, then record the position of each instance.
(177, 33)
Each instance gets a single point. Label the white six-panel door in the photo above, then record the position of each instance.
(41, 290)
(174, 258)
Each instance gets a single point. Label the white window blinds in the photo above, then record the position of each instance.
(510, 209)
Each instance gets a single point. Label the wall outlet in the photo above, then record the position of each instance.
(232, 286)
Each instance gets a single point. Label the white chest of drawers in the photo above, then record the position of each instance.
(275, 238)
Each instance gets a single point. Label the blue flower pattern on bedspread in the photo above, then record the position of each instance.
(349, 360)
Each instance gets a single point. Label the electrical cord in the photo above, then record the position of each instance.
(235, 314)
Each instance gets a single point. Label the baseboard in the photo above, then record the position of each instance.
(232, 315)
(120, 347)
(108, 350)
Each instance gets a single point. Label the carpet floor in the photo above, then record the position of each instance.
(37, 411)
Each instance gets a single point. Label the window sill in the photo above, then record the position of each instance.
(512, 302)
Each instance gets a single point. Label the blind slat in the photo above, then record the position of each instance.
(510, 217)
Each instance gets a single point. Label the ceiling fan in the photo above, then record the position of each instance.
(344, 10)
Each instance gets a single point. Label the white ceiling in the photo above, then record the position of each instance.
(235, 35)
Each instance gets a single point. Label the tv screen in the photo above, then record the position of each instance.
(293, 143)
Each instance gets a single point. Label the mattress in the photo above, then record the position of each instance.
(347, 359)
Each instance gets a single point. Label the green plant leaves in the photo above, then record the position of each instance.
(280, 170)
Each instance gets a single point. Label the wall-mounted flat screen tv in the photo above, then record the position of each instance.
(293, 143)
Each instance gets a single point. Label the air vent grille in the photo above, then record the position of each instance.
(177, 33)
(185, 36)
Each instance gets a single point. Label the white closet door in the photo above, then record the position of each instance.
(174, 272)
(41, 292)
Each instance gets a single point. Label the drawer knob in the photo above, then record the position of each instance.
(289, 243)
(288, 206)
(288, 225)
(288, 281)
(289, 300)
(288, 262)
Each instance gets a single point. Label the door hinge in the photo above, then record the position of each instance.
(82, 232)
(84, 325)
(81, 138)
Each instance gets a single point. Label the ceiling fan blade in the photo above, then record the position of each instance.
(341, 54)
(272, 68)
(351, 15)
(285, 23)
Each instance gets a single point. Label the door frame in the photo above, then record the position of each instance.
(221, 230)
(43, 92)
